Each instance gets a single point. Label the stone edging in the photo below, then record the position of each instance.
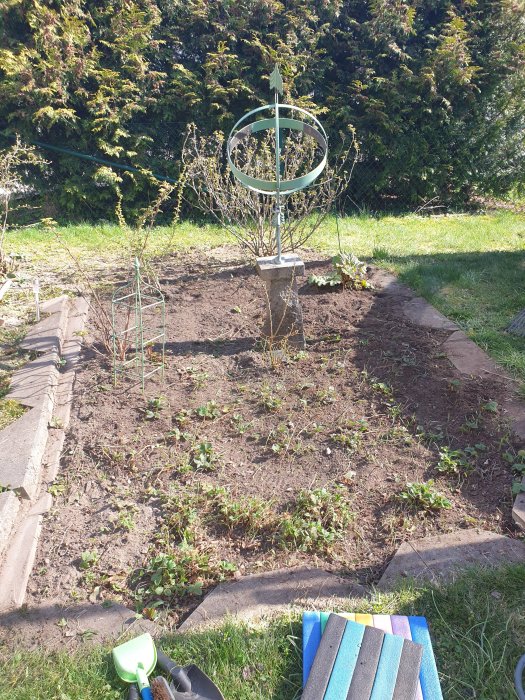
(467, 357)
(28, 447)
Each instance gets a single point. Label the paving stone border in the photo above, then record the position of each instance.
(467, 357)
(86, 623)
(437, 558)
(263, 595)
(29, 445)
(440, 557)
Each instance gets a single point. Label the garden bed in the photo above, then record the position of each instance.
(239, 463)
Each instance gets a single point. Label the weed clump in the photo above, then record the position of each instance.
(349, 271)
(183, 571)
(423, 497)
(319, 519)
(249, 513)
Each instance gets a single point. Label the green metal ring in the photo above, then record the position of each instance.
(268, 186)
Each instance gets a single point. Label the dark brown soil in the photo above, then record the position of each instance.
(118, 466)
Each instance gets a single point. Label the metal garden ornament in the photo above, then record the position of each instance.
(246, 127)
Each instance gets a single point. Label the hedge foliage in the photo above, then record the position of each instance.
(434, 88)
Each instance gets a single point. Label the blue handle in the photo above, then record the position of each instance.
(518, 678)
(146, 694)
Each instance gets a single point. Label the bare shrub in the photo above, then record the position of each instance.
(15, 163)
(248, 215)
(135, 246)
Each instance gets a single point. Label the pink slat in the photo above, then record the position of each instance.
(401, 626)
(383, 622)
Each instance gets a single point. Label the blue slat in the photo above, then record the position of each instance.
(311, 640)
(429, 676)
(345, 661)
(387, 668)
(324, 620)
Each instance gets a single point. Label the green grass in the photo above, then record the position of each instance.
(10, 410)
(477, 626)
(471, 267)
(110, 240)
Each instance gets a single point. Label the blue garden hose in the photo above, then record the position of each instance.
(518, 678)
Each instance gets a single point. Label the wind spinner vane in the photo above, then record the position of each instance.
(277, 187)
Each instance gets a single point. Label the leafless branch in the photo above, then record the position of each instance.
(248, 215)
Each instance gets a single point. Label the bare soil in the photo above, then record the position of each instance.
(367, 374)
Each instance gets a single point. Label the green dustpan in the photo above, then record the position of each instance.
(135, 660)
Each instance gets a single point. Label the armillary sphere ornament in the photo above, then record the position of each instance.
(277, 187)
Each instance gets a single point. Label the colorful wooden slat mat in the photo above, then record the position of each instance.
(349, 656)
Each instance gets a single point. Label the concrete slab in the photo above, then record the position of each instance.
(290, 266)
(53, 306)
(442, 556)
(47, 334)
(20, 556)
(64, 394)
(52, 453)
(22, 446)
(514, 410)
(265, 594)
(9, 507)
(468, 358)
(283, 326)
(26, 447)
(518, 511)
(78, 313)
(37, 628)
(386, 283)
(421, 313)
(35, 380)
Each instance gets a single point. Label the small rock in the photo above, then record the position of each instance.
(496, 594)
(328, 451)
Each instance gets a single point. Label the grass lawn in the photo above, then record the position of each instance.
(471, 267)
(477, 625)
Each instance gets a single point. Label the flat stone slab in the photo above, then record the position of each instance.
(20, 556)
(441, 556)
(265, 594)
(78, 312)
(37, 628)
(47, 334)
(9, 507)
(421, 313)
(53, 306)
(289, 267)
(515, 412)
(388, 284)
(468, 358)
(22, 446)
(35, 380)
(71, 348)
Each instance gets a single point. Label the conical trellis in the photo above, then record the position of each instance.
(138, 315)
